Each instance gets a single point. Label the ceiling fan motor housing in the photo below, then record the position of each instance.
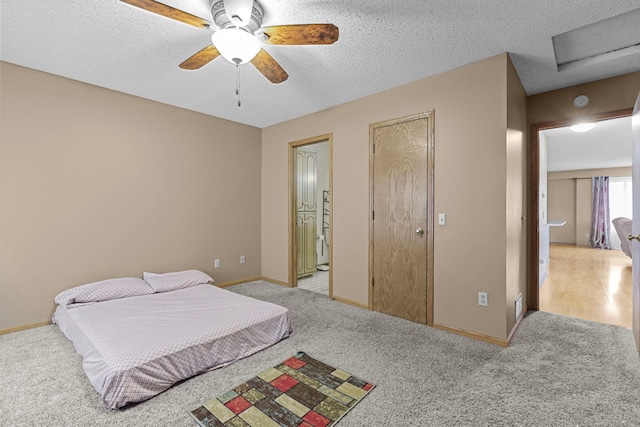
(222, 21)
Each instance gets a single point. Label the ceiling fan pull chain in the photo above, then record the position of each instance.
(238, 82)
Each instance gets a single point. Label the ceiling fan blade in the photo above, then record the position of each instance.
(301, 34)
(169, 12)
(201, 58)
(269, 67)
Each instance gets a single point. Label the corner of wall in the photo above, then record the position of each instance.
(516, 188)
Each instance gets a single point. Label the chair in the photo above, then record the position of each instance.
(623, 228)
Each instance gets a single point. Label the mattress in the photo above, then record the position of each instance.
(134, 348)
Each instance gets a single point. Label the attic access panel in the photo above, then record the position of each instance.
(604, 40)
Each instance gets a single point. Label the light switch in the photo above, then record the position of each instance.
(442, 219)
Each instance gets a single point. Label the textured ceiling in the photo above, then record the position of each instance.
(608, 145)
(382, 44)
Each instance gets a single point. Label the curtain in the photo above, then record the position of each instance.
(600, 223)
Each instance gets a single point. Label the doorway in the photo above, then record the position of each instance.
(583, 282)
(310, 214)
(573, 257)
(401, 221)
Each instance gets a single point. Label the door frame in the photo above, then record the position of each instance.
(430, 116)
(533, 233)
(635, 251)
(293, 246)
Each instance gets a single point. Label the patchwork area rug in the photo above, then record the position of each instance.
(301, 391)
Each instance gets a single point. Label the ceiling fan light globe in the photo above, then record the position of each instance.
(236, 45)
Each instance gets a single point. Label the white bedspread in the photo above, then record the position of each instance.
(134, 348)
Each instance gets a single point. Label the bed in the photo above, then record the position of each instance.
(135, 347)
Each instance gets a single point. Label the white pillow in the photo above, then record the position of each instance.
(104, 290)
(176, 280)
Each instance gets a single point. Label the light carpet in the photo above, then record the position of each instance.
(558, 371)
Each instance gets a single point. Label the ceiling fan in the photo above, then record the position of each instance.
(238, 34)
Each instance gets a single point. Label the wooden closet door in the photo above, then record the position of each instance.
(300, 239)
(400, 227)
(310, 188)
(306, 205)
(310, 225)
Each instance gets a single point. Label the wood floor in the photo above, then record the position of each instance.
(589, 284)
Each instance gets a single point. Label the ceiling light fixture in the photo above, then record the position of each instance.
(583, 127)
(236, 45)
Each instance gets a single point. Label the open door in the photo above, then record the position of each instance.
(635, 228)
(310, 184)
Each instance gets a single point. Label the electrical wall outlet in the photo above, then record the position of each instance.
(216, 263)
(243, 259)
(483, 299)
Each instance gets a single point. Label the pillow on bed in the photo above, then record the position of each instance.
(103, 291)
(176, 280)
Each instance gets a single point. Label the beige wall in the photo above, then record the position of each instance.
(96, 184)
(138, 160)
(583, 211)
(617, 93)
(471, 150)
(561, 206)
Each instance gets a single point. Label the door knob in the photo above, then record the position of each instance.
(631, 237)
(419, 231)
